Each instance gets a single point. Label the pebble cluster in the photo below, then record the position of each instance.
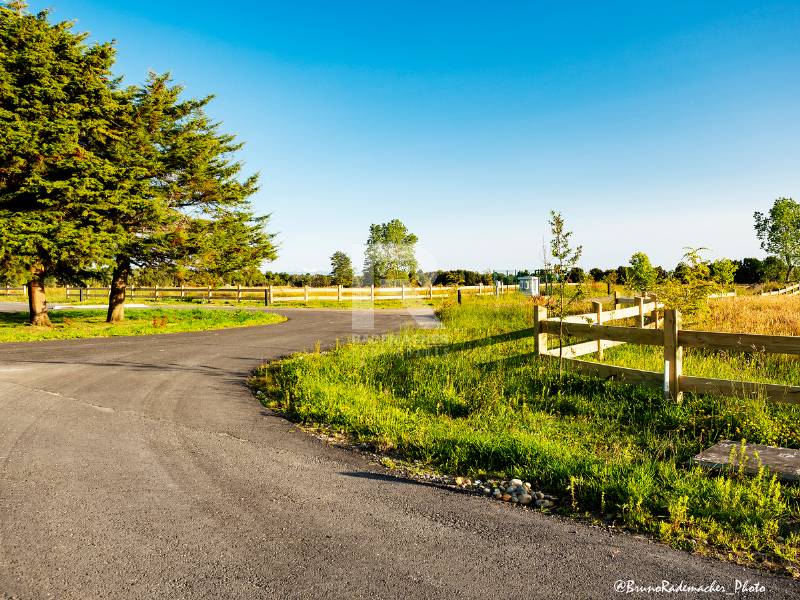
(515, 491)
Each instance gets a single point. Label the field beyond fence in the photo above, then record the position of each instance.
(671, 337)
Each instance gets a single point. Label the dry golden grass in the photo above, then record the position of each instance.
(769, 315)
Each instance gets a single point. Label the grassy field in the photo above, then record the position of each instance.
(449, 401)
(91, 323)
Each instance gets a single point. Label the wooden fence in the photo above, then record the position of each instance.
(791, 290)
(671, 337)
(274, 294)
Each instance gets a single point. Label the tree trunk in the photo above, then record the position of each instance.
(116, 297)
(37, 302)
(789, 268)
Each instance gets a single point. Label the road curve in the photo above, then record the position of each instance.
(143, 468)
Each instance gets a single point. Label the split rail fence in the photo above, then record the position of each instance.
(671, 337)
(791, 290)
(274, 294)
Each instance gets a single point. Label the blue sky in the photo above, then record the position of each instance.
(650, 126)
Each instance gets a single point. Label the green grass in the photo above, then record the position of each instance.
(456, 404)
(91, 323)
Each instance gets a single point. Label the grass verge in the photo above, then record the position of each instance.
(91, 323)
(457, 404)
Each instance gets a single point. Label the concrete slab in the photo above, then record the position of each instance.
(784, 462)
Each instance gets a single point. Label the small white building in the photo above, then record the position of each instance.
(528, 285)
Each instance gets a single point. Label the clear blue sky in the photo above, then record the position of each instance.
(650, 126)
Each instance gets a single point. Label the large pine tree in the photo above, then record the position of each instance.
(180, 200)
(95, 176)
(57, 99)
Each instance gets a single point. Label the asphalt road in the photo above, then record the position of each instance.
(143, 468)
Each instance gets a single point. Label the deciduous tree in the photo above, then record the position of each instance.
(779, 232)
(565, 258)
(342, 269)
(641, 274)
(389, 255)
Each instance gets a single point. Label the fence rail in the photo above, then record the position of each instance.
(275, 294)
(672, 338)
(791, 290)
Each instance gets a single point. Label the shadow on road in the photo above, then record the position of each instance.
(398, 479)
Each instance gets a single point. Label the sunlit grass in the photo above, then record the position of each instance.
(91, 323)
(450, 401)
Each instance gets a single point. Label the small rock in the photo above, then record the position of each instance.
(459, 480)
(487, 491)
(515, 499)
(525, 499)
(539, 495)
(516, 482)
(497, 493)
(505, 497)
(527, 485)
(511, 489)
(544, 503)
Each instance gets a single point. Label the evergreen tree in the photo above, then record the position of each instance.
(179, 200)
(229, 244)
(57, 104)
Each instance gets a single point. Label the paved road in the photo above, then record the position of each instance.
(143, 468)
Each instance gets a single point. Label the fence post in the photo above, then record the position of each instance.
(640, 319)
(80, 294)
(155, 292)
(339, 293)
(673, 355)
(66, 292)
(305, 293)
(238, 292)
(133, 294)
(402, 291)
(654, 314)
(459, 295)
(598, 311)
(372, 292)
(271, 297)
(540, 338)
(480, 288)
(616, 303)
(430, 291)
